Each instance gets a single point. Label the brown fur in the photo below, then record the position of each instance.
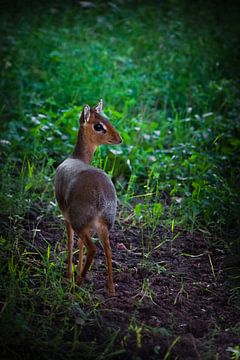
(86, 195)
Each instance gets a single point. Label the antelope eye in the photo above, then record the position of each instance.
(99, 127)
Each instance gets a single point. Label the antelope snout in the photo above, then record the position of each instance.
(118, 140)
(115, 140)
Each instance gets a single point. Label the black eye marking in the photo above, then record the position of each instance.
(98, 127)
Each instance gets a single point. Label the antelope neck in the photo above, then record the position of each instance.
(84, 150)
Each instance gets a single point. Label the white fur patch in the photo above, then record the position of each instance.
(105, 128)
(99, 106)
(86, 113)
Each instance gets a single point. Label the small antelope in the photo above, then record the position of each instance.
(86, 195)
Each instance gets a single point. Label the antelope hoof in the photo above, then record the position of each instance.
(111, 292)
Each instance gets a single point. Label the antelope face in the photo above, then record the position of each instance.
(97, 128)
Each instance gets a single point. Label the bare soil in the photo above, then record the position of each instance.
(171, 294)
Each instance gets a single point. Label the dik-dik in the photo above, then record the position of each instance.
(86, 195)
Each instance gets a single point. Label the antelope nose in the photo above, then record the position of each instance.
(119, 141)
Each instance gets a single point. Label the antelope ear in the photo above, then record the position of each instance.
(98, 108)
(85, 115)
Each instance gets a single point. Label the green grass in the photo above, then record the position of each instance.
(169, 75)
(169, 80)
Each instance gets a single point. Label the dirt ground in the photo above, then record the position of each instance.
(173, 297)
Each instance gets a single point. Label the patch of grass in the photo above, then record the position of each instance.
(39, 303)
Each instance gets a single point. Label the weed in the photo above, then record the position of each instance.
(180, 293)
(171, 347)
(235, 352)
